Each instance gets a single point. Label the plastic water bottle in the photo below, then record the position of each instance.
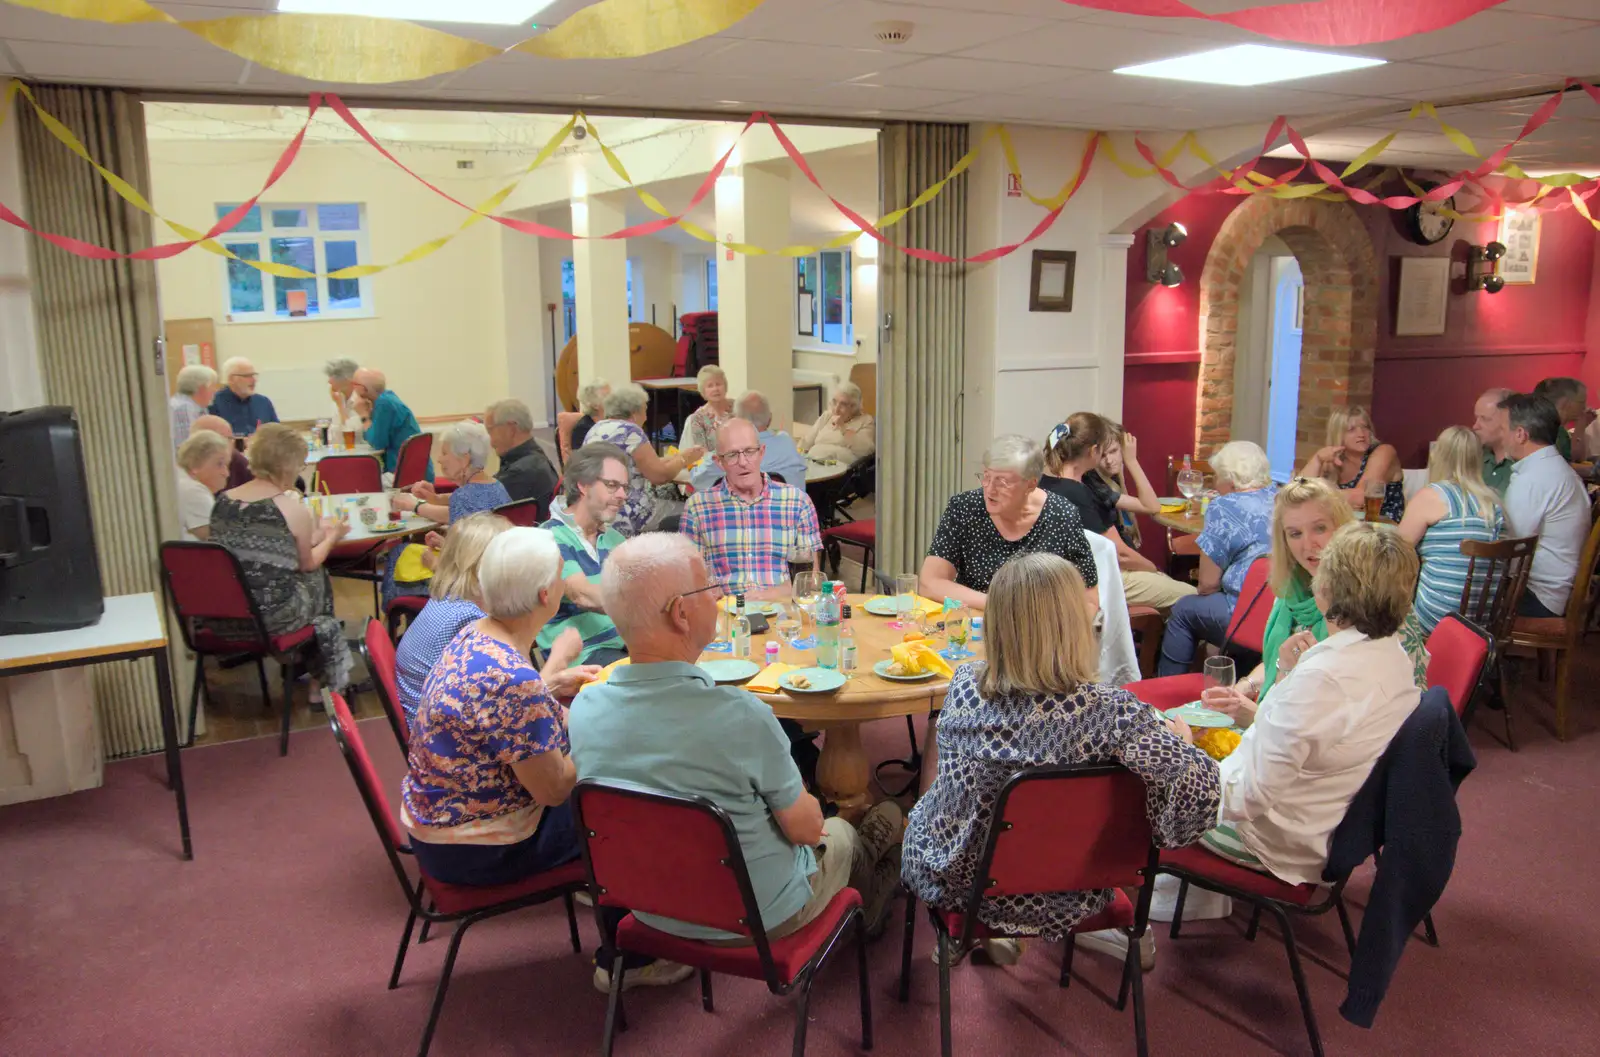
(827, 629)
(772, 651)
(977, 628)
(847, 643)
(741, 630)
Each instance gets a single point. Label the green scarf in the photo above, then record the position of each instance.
(1297, 609)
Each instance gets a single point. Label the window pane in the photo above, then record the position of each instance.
(290, 218)
(244, 282)
(832, 299)
(344, 216)
(711, 285)
(251, 221)
(302, 254)
(342, 293)
(569, 298)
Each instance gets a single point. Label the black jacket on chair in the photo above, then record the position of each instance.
(1406, 811)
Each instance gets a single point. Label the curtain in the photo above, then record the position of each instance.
(98, 328)
(923, 354)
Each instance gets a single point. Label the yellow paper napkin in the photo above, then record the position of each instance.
(605, 673)
(766, 681)
(927, 605)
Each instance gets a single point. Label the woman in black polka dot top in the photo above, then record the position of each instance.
(1009, 514)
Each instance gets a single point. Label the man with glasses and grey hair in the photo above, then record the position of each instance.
(524, 469)
(780, 455)
(237, 402)
(592, 491)
(749, 526)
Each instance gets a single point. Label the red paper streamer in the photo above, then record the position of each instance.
(1334, 23)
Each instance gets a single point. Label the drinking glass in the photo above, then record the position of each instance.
(905, 600)
(807, 591)
(789, 624)
(957, 626)
(1373, 508)
(1190, 484)
(1219, 672)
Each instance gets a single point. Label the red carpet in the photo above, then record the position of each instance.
(277, 941)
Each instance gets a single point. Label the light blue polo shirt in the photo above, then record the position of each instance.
(668, 726)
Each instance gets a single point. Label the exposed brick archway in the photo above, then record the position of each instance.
(1340, 319)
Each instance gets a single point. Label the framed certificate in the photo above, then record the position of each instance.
(1423, 299)
(1519, 234)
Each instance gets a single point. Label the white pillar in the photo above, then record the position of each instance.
(755, 294)
(600, 274)
(1111, 315)
(529, 358)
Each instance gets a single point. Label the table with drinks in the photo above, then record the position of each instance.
(324, 439)
(370, 515)
(845, 667)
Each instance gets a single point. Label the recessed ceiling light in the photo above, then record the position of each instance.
(1249, 64)
(484, 12)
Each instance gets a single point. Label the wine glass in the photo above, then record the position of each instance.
(1219, 671)
(788, 625)
(957, 626)
(1190, 484)
(807, 592)
(905, 600)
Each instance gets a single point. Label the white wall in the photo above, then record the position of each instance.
(21, 384)
(440, 329)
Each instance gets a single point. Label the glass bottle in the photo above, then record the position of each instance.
(827, 631)
(847, 643)
(741, 629)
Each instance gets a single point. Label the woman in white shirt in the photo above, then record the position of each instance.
(203, 462)
(1335, 707)
(844, 432)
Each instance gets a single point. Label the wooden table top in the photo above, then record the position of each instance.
(1181, 522)
(866, 695)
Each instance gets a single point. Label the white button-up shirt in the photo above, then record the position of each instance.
(1546, 499)
(1321, 728)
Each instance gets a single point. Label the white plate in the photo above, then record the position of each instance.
(823, 681)
(768, 609)
(882, 669)
(1197, 715)
(735, 670)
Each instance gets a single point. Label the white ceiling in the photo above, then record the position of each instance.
(1025, 61)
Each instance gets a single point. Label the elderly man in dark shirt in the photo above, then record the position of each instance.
(525, 471)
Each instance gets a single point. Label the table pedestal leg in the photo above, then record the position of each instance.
(842, 770)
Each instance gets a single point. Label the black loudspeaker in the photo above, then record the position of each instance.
(49, 575)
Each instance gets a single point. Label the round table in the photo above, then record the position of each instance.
(379, 501)
(843, 771)
(316, 453)
(1182, 522)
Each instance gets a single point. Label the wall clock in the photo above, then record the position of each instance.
(1428, 222)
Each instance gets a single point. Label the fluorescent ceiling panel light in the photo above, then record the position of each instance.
(1249, 64)
(482, 12)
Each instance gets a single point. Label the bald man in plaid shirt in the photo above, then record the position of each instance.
(748, 526)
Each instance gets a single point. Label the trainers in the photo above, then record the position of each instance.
(880, 829)
(1115, 943)
(659, 973)
(1000, 952)
(879, 898)
(583, 898)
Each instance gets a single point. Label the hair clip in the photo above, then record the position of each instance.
(1060, 433)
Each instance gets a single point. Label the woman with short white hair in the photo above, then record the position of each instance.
(592, 402)
(1238, 530)
(196, 386)
(652, 495)
(204, 459)
(844, 432)
(701, 428)
(463, 454)
(1007, 515)
(488, 776)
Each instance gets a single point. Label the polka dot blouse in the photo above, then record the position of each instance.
(967, 538)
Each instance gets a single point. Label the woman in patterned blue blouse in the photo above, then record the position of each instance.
(1035, 701)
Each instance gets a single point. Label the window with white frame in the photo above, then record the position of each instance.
(822, 298)
(319, 237)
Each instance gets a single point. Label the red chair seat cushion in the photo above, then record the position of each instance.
(207, 641)
(1118, 914)
(406, 604)
(444, 486)
(1196, 860)
(789, 954)
(464, 899)
(1168, 691)
(862, 533)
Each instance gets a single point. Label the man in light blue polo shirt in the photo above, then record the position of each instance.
(1545, 499)
(780, 456)
(662, 722)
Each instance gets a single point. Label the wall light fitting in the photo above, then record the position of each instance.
(1157, 241)
(1483, 268)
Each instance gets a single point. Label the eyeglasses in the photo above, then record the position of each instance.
(615, 486)
(740, 455)
(1003, 482)
(723, 590)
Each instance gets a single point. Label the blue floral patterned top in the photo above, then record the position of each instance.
(483, 709)
(982, 743)
(1238, 531)
(640, 504)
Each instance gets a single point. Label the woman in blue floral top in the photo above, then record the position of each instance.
(1035, 702)
(652, 493)
(485, 795)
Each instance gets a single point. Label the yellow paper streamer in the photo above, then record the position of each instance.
(358, 49)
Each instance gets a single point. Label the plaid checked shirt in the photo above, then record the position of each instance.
(749, 543)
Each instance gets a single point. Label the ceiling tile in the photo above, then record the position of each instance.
(802, 61)
(1493, 27)
(1052, 9)
(1414, 81)
(976, 75)
(1086, 46)
(937, 31)
(1574, 52)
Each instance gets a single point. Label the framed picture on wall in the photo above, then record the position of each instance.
(1051, 286)
(1424, 296)
(1519, 234)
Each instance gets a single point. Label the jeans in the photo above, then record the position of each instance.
(1196, 619)
(1530, 606)
(553, 843)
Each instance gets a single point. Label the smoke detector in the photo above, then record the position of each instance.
(892, 32)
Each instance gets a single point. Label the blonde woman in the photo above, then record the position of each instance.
(1336, 705)
(700, 431)
(1036, 701)
(204, 460)
(1455, 507)
(1355, 460)
(281, 549)
(844, 432)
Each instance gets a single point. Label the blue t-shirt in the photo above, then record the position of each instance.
(782, 458)
(1238, 531)
(391, 425)
(668, 726)
(423, 644)
(243, 416)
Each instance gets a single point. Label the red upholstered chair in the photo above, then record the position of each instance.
(566, 422)
(1034, 846)
(378, 650)
(679, 857)
(205, 581)
(400, 612)
(411, 465)
(1246, 630)
(525, 513)
(463, 904)
(350, 474)
(1458, 656)
(863, 534)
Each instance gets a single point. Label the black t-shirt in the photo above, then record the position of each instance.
(580, 430)
(966, 538)
(1091, 506)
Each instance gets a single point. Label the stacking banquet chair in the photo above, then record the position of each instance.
(679, 857)
(400, 611)
(1564, 634)
(1034, 846)
(464, 905)
(1247, 631)
(524, 513)
(566, 422)
(378, 650)
(350, 474)
(1497, 574)
(411, 465)
(205, 581)
(1460, 654)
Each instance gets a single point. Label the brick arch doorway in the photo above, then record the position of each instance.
(1339, 320)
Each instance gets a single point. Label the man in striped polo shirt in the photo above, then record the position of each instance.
(592, 491)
